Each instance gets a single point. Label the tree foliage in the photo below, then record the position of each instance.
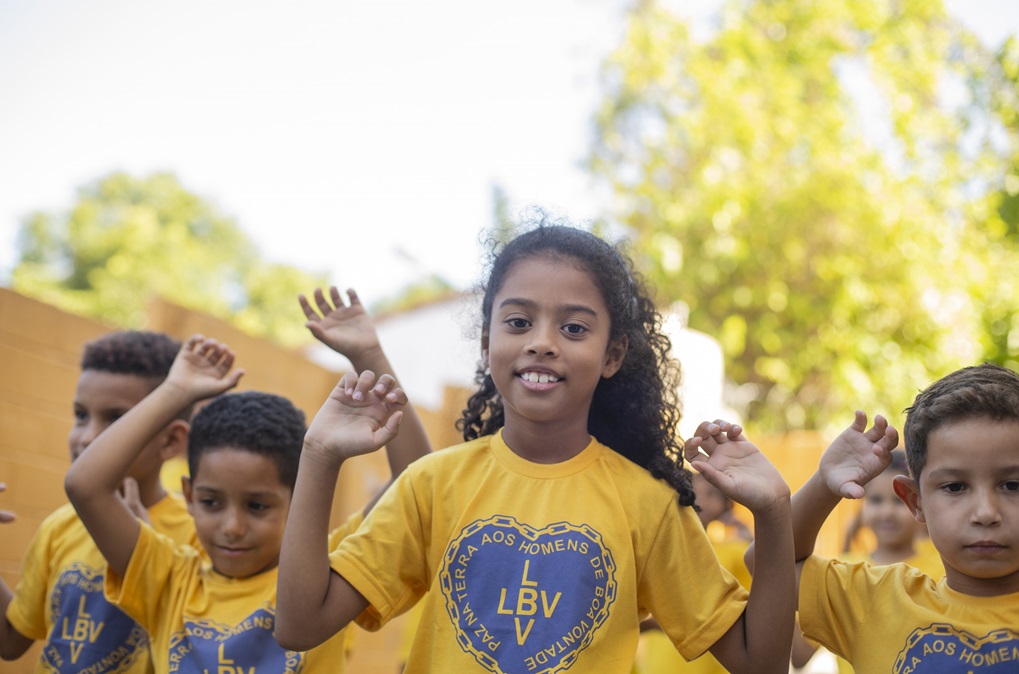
(128, 239)
(824, 184)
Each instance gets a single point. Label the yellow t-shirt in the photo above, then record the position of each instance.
(896, 619)
(201, 621)
(59, 597)
(659, 656)
(536, 567)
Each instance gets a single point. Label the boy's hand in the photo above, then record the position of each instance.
(348, 330)
(858, 455)
(202, 369)
(734, 466)
(5, 515)
(359, 416)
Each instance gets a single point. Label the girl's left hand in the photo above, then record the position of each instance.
(728, 461)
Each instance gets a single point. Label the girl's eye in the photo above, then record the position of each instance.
(80, 415)
(1012, 485)
(574, 329)
(518, 323)
(208, 502)
(258, 507)
(954, 487)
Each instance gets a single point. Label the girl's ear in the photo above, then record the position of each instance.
(909, 493)
(484, 349)
(614, 356)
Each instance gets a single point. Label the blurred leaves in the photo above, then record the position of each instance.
(128, 239)
(827, 186)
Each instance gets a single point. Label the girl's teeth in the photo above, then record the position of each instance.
(536, 378)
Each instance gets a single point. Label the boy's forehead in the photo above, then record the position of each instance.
(973, 442)
(99, 387)
(236, 468)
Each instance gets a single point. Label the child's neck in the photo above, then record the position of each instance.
(540, 443)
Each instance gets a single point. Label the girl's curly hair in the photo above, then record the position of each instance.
(635, 412)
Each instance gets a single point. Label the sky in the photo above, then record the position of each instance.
(358, 139)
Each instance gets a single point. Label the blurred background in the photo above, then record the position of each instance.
(824, 194)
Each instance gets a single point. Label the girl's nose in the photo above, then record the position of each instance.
(542, 342)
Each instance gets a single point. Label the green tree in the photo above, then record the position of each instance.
(128, 239)
(809, 176)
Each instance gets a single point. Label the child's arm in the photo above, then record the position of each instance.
(349, 330)
(313, 602)
(13, 643)
(761, 639)
(202, 369)
(853, 459)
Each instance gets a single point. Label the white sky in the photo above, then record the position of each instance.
(344, 137)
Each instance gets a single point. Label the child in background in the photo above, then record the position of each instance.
(730, 538)
(535, 545)
(242, 458)
(59, 597)
(960, 438)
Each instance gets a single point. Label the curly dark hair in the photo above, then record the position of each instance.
(635, 412)
(251, 421)
(986, 390)
(144, 354)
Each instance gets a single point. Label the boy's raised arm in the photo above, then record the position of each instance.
(761, 639)
(350, 331)
(852, 460)
(313, 602)
(202, 369)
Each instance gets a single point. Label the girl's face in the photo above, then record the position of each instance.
(548, 347)
(887, 516)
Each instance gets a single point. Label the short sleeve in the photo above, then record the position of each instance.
(385, 558)
(27, 609)
(691, 596)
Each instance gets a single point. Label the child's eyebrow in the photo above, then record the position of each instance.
(529, 304)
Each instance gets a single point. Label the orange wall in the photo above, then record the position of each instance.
(40, 348)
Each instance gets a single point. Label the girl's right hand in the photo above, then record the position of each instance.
(359, 416)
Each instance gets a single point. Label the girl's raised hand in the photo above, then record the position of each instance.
(858, 455)
(728, 461)
(202, 368)
(360, 415)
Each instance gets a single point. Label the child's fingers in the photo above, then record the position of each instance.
(334, 293)
(384, 385)
(323, 303)
(365, 382)
(309, 312)
(352, 296)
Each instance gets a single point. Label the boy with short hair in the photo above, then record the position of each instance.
(962, 446)
(243, 457)
(59, 597)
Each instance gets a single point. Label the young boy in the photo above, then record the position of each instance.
(59, 597)
(243, 455)
(963, 454)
